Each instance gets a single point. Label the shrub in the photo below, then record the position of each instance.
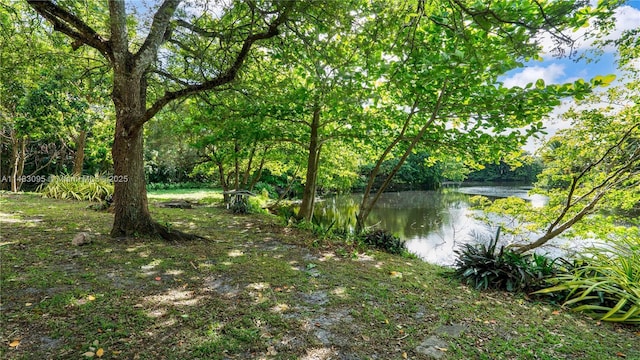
(322, 229)
(386, 241)
(483, 267)
(605, 283)
(286, 213)
(87, 188)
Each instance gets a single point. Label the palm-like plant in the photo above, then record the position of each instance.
(607, 284)
(86, 188)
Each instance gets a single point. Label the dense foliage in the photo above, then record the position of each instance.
(415, 173)
(592, 168)
(52, 105)
(526, 172)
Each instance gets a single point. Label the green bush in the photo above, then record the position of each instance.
(386, 241)
(605, 284)
(483, 267)
(85, 188)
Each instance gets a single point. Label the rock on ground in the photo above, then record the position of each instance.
(81, 238)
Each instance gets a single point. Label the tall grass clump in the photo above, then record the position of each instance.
(605, 283)
(85, 188)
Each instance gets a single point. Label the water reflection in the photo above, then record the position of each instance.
(496, 192)
(433, 223)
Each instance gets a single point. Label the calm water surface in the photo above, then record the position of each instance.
(433, 223)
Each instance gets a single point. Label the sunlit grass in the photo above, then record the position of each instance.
(186, 194)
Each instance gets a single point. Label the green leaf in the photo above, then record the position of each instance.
(601, 80)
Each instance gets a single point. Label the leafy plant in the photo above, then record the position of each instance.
(606, 284)
(322, 229)
(86, 188)
(483, 267)
(386, 241)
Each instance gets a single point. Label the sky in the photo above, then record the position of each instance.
(563, 70)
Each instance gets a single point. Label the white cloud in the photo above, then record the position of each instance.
(635, 64)
(626, 18)
(555, 121)
(550, 74)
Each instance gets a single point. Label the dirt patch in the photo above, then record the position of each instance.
(315, 298)
(222, 286)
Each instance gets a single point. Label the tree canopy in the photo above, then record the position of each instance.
(311, 91)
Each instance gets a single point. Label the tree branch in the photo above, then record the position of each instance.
(198, 30)
(366, 208)
(72, 26)
(551, 232)
(170, 77)
(225, 77)
(574, 182)
(487, 12)
(600, 190)
(149, 49)
(119, 36)
(385, 153)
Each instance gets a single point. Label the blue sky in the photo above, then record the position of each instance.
(562, 70)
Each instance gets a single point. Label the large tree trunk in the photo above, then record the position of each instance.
(247, 170)
(313, 160)
(258, 174)
(131, 208)
(236, 165)
(223, 182)
(78, 159)
(130, 194)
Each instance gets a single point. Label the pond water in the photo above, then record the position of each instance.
(433, 223)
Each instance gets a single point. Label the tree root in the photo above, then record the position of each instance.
(153, 229)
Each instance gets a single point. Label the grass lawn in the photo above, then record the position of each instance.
(206, 195)
(254, 290)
